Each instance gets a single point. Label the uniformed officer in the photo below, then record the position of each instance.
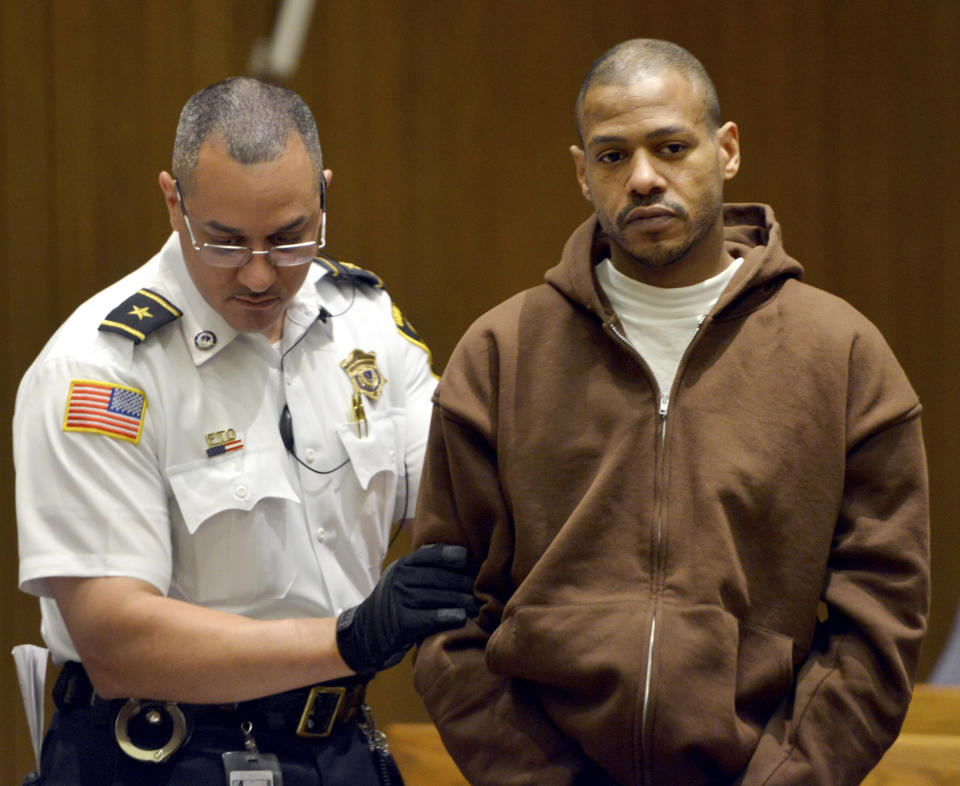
(210, 455)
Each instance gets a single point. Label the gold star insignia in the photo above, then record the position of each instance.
(141, 313)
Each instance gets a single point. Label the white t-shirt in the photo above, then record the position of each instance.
(660, 322)
(245, 529)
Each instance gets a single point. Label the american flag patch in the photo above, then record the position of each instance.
(234, 444)
(104, 408)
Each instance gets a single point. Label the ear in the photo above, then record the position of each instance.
(328, 176)
(580, 162)
(169, 189)
(728, 141)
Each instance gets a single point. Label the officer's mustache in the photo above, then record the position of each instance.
(267, 294)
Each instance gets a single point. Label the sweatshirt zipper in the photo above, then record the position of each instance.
(662, 410)
(662, 413)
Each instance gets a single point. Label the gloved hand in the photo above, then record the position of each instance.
(420, 594)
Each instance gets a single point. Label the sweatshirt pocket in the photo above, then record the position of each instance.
(715, 682)
(586, 662)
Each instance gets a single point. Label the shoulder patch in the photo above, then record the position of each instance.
(410, 334)
(139, 315)
(105, 408)
(340, 269)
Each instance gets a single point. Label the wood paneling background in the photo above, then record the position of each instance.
(447, 124)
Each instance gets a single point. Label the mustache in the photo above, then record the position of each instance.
(250, 295)
(650, 201)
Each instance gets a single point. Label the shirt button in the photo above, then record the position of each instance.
(310, 454)
(241, 491)
(321, 534)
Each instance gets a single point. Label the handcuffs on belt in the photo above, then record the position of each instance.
(152, 731)
(142, 724)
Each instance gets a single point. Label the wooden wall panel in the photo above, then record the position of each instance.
(447, 126)
(26, 236)
(89, 100)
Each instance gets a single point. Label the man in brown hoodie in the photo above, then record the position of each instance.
(696, 485)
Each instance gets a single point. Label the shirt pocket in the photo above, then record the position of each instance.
(231, 529)
(369, 491)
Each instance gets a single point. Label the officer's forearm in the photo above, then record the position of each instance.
(136, 642)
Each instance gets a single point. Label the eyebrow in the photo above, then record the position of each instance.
(216, 226)
(667, 131)
(657, 133)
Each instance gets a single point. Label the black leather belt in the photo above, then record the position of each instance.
(311, 713)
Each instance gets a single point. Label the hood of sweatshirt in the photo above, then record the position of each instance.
(750, 231)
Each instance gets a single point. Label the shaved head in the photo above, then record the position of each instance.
(640, 58)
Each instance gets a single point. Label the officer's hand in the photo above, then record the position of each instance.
(420, 594)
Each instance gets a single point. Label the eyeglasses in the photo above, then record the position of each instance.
(287, 255)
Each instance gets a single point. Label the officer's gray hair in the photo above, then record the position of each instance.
(639, 58)
(254, 118)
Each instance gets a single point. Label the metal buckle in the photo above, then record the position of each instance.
(306, 727)
(159, 755)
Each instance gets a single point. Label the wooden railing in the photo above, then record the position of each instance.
(927, 752)
(421, 757)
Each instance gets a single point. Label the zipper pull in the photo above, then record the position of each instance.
(664, 403)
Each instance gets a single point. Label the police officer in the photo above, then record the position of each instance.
(210, 455)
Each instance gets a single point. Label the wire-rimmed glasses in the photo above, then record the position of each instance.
(286, 255)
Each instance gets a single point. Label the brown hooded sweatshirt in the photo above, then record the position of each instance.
(734, 591)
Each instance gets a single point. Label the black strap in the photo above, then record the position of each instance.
(73, 687)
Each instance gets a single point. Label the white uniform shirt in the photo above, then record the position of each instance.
(248, 529)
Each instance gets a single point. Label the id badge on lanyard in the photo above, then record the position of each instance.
(250, 767)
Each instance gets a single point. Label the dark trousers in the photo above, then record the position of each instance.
(80, 750)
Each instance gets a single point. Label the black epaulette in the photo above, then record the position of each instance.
(404, 326)
(340, 269)
(410, 334)
(139, 315)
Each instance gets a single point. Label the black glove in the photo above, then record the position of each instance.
(420, 594)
